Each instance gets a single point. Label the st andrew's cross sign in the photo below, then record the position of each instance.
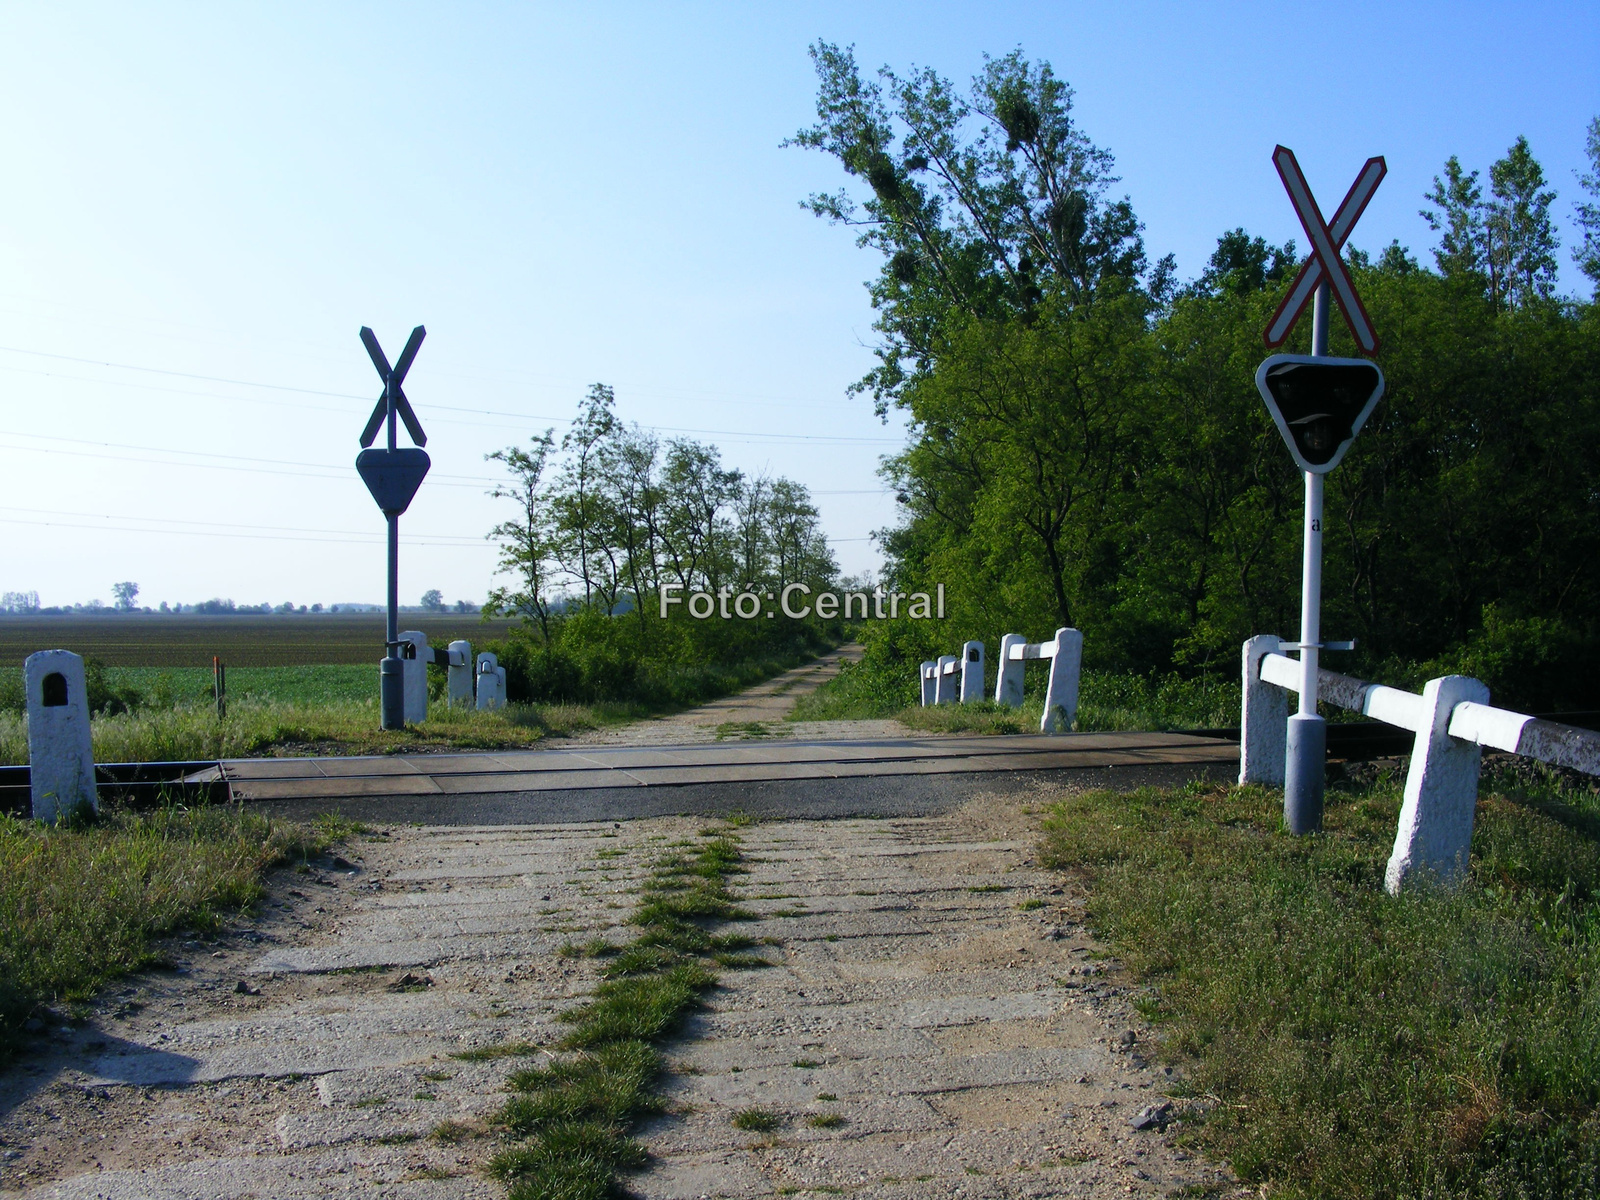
(1326, 242)
(393, 475)
(1319, 404)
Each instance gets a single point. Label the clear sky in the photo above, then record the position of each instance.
(202, 203)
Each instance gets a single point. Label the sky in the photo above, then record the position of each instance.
(203, 203)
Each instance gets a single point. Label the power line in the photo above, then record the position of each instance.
(360, 533)
(819, 439)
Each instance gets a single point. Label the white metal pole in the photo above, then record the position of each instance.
(1305, 765)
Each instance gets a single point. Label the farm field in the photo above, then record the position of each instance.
(174, 640)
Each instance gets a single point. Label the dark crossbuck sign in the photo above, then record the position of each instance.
(393, 474)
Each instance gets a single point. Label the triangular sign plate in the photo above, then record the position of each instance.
(1319, 404)
(393, 476)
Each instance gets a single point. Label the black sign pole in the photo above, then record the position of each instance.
(391, 691)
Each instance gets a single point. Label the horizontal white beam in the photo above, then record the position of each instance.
(1033, 650)
(1389, 705)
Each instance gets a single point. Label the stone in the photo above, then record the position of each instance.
(415, 656)
(1434, 835)
(972, 672)
(491, 678)
(1061, 693)
(1263, 718)
(459, 675)
(60, 757)
(1153, 1116)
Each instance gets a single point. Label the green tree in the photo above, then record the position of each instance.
(124, 594)
(527, 542)
(1587, 253)
(1522, 237)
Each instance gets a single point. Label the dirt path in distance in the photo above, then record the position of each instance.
(756, 712)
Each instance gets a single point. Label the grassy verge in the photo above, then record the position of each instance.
(255, 728)
(1106, 701)
(1358, 1045)
(80, 904)
(574, 1117)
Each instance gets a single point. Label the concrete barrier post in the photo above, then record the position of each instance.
(414, 659)
(491, 682)
(1434, 837)
(1008, 674)
(930, 683)
(945, 693)
(60, 759)
(1263, 718)
(1061, 694)
(972, 673)
(459, 674)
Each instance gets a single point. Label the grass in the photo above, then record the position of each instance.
(574, 1116)
(265, 727)
(1107, 701)
(1441, 1044)
(757, 1120)
(81, 903)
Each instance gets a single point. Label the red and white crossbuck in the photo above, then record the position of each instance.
(1326, 242)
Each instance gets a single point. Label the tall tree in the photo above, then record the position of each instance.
(527, 542)
(1587, 253)
(1523, 239)
(578, 496)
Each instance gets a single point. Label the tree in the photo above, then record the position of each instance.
(1523, 240)
(1507, 244)
(981, 225)
(1459, 217)
(19, 602)
(433, 600)
(527, 545)
(1587, 254)
(124, 595)
(578, 500)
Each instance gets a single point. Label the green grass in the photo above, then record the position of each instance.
(1107, 701)
(757, 1120)
(573, 1116)
(1441, 1044)
(255, 728)
(81, 902)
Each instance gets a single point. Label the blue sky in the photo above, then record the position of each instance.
(203, 203)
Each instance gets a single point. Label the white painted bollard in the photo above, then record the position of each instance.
(459, 674)
(972, 672)
(1264, 720)
(928, 672)
(60, 758)
(1434, 837)
(945, 693)
(1061, 694)
(491, 682)
(1008, 675)
(414, 659)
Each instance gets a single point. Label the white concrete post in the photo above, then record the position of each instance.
(1061, 695)
(1435, 833)
(945, 693)
(1008, 675)
(491, 682)
(972, 673)
(459, 673)
(414, 659)
(1263, 718)
(60, 759)
(930, 683)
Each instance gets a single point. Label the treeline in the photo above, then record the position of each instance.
(1088, 448)
(611, 512)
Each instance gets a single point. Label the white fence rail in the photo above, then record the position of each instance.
(1064, 653)
(1453, 721)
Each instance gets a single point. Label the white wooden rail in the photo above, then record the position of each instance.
(1453, 721)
